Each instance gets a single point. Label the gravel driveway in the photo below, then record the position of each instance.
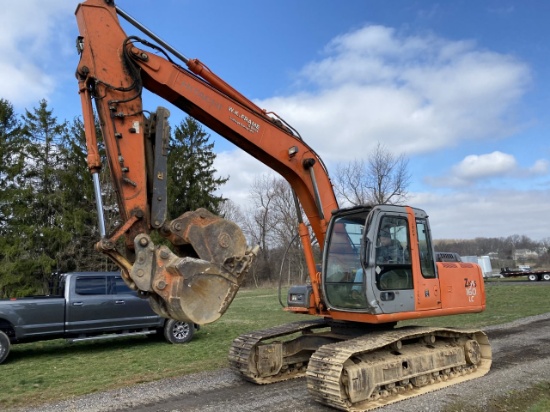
(521, 357)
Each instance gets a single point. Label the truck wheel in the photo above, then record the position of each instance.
(532, 278)
(176, 331)
(4, 346)
(546, 276)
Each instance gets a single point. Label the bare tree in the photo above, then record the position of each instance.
(382, 179)
(271, 222)
(291, 258)
(351, 183)
(258, 225)
(231, 211)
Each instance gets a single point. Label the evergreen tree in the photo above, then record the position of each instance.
(79, 211)
(11, 158)
(48, 217)
(191, 180)
(36, 229)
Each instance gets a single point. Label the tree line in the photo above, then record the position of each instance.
(48, 218)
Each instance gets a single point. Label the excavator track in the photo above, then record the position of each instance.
(377, 369)
(260, 358)
(352, 369)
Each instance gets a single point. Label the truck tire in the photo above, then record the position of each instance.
(4, 346)
(176, 331)
(532, 277)
(546, 276)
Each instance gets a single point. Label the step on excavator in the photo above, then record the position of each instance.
(378, 264)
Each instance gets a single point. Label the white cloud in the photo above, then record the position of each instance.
(415, 94)
(242, 169)
(474, 168)
(486, 213)
(24, 83)
(31, 31)
(479, 166)
(539, 168)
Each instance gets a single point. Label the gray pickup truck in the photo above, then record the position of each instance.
(84, 306)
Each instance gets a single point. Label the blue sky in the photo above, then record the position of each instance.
(459, 87)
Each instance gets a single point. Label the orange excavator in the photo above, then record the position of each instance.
(378, 265)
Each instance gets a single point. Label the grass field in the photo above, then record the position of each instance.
(48, 371)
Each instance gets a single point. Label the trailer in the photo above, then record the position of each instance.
(532, 275)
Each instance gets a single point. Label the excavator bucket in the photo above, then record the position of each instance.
(200, 288)
(199, 292)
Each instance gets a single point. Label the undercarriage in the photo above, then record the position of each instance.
(356, 367)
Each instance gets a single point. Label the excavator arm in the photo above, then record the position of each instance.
(199, 282)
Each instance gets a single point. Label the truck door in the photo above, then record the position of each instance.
(131, 310)
(89, 307)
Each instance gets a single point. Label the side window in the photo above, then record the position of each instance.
(121, 288)
(392, 243)
(58, 286)
(425, 249)
(96, 285)
(393, 257)
(62, 284)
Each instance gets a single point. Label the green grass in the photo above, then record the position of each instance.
(50, 371)
(40, 372)
(533, 399)
(505, 303)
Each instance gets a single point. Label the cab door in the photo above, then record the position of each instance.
(428, 293)
(393, 285)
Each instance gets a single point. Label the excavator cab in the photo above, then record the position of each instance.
(368, 259)
(379, 265)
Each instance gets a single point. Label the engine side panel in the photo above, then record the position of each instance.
(462, 286)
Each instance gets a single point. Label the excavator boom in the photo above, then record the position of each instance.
(113, 70)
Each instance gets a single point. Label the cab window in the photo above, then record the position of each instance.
(121, 288)
(344, 284)
(425, 249)
(393, 260)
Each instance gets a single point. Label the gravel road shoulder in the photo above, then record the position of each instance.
(521, 357)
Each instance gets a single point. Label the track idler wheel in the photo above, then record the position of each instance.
(472, 352)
